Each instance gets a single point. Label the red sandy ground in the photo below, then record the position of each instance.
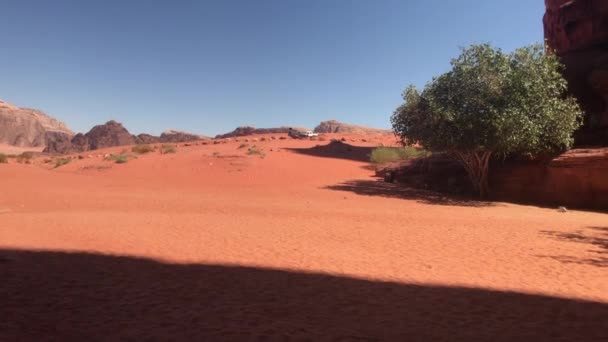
(213, 244)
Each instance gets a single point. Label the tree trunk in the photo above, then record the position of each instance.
(476, 163)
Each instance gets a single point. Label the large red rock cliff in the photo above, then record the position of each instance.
(577, 31)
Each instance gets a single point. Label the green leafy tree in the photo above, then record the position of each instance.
(491, 103)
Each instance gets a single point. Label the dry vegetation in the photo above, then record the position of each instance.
(381, 155)
(142, 149)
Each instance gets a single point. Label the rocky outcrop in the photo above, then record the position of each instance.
(333, 126)
(577, 31)
(574, 179)
(57, 141)
(26, 127)
(112, 134)
(172, 136)
(146, 139)
(249, 130)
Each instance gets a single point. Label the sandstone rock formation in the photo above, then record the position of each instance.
(577, 30)
(146, 139)
(58, 142)
(575, 179)
(26, 127)
(109, 134)
(112, 134)
(179, 136)
(333, 126)
(249, 130)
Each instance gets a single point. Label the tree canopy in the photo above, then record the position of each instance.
(491, 103)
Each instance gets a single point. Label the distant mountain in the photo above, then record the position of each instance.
(112, 134)
(333, 126)
(179, 136)
(25, 127)
(249, 130)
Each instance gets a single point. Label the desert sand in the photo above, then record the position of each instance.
(210, 243)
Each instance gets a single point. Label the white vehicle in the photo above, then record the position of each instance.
(294, 133)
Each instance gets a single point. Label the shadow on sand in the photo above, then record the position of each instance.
(384, 189)
(598, 240)
(78, 297)
(337, 150)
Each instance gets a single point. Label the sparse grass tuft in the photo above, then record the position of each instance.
(142, 149)
(381, 155)
(96, 167)
(3, 158)
(62, 161)
(25, 158)
(118, 158)
(241, 146)
(254, 150)
(166, 149)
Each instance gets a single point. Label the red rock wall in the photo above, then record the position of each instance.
(575, 24)
(577, 30)
(577, 179)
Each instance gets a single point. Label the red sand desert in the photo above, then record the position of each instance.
(210, 243)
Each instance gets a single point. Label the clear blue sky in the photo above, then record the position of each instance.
(209, 66)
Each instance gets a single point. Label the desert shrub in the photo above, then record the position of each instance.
(241, 146)
(382, 155)
(62, 161)
(254, 150)
(142, 149)
(166, 149)
(25, 158)
(118, 158)
(3, 158)
(491, 104)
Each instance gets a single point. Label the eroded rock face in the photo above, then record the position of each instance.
(249, 130)
(26, 127)
(333, 126)
(56, 142)
(577, 30)
(178, 136)
(574, 179)
(109, 134)
(146, 139)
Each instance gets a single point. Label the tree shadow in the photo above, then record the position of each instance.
(392, 190)
(598, 240)
(337, 150)
(63, 296)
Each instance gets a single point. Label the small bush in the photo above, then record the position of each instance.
(62, 161)
(25, 158)
(381, 155)
(254, 150)
(142, 149)
(241, 146)
(118, 158)
(3, 158)
(216, 154)
(166, 149)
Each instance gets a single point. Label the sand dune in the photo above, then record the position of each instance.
(304, 243)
